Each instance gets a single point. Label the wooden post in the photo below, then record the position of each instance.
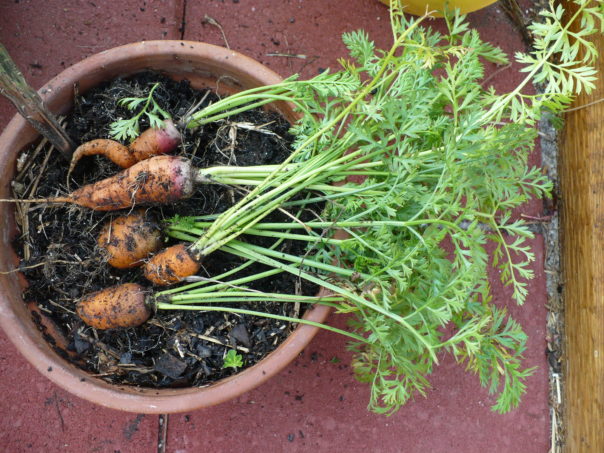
(582, 186)
(30, 105)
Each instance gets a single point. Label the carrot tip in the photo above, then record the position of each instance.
(112, 150)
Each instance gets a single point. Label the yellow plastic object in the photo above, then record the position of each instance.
(418, 7)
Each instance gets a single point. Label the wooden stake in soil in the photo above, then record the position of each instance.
(30, 105)
(582, 183)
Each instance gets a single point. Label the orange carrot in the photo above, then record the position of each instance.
(171, 265)
(158, 180)
(118, 306)
(128, 239)
(152, 142)
(112, 150)
(155, 141)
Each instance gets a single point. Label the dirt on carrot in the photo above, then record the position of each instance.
(154, 181)
(129, 239)
(62, 261)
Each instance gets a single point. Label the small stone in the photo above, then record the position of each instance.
(126, 358)
(170, 366)
(80, 344)
(198, 326)
(203, 351)
(240, 334)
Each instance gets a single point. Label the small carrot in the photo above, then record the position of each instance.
(128, 239)
(152, 142)
(112, 150)
(155, 141)
(118, 306)
(171, 265)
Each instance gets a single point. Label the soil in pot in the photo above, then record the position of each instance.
(61, 261)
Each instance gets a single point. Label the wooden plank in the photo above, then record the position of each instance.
(582, 189)
(30, 105)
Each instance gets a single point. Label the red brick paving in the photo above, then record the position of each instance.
(315, 404)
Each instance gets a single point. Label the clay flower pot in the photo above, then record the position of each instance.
(203, 65)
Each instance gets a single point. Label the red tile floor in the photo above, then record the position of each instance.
(314, 404)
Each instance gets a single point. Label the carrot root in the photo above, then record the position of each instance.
(152, 142)
(171, 265)
(158, 180)
(155, 141)
(118, 306)
(112, 150)
(128, 239)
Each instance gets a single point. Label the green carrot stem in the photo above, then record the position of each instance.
(220, 233)
(296, 237)
(263, 229)
(367, 190)
(164, 306)
(217, 280)
(325, 188)
(300, 260)
(294, 181)
(246, 252)
(263, 170)
(234, 214)
(230, 105)
(251, 98)
(232, 224)
(188, 234)
(234, 111)
(192, 297)
(213, 239)
(218, 284)
(248, 299)
(174, 233)
(344, 224)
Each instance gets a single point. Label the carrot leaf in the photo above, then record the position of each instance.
(129, 129)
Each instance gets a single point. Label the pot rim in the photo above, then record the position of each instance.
(15, 318)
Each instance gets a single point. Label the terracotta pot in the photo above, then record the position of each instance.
(205, 66)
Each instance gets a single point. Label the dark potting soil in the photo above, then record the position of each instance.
(61, 261)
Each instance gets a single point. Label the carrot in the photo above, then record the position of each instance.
(152, 142)
(171, 265)
(155, 141)
(128, 239)
(112, 150)
(154, 181)
(118, 306)
(159, 180)
(166, 179)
